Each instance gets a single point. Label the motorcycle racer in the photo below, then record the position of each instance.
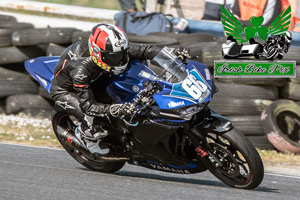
(279, 42)
(105, 54)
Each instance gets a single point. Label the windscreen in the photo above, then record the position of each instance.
(174, 70)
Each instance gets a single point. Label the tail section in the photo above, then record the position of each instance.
(41, 69)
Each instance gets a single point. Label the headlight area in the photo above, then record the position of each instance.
(187, 111)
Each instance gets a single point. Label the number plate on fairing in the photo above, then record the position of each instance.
(194, 87)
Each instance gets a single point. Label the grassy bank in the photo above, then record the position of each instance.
(23, 130)
(38, 132)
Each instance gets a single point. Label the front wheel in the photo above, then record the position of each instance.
(61, 122)
(239, 165)
(272, 52)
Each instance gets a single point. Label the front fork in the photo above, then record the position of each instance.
(211, 123)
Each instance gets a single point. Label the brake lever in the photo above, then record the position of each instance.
(128, 123)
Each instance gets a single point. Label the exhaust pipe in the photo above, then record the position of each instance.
(68, 137)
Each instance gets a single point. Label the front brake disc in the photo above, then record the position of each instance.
(230, 166)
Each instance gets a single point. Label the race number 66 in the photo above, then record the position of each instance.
(194, 87)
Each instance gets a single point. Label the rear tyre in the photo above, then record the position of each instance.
(242, 166)
(61, 121)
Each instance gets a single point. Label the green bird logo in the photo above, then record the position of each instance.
(234, 28)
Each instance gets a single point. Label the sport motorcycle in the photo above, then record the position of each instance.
(172, 129)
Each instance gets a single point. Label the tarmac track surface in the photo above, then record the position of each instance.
(28, 172)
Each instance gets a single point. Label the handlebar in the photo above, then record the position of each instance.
(143, 99)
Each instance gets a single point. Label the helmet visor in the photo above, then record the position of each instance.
(120, 58)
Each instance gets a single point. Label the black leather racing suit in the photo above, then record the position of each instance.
(76, 72)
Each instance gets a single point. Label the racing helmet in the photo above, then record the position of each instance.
(108, 47)
(288, 36)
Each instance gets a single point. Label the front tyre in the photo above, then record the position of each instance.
(241, 166)
(62, 121)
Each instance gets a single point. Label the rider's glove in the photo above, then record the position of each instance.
(182, 54)
(118, 110)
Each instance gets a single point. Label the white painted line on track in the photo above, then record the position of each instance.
(23, 145)
(281, 175)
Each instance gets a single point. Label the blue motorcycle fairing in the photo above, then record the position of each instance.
(42, 69)
(126, 86)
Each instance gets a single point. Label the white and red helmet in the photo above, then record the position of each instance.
(108, 46)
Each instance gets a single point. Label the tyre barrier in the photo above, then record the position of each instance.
(33, 105)
(249, 125)
(233, 106)
(29, 37)
(281, 124)
(238, 91)
(242, 100)
(54, 49)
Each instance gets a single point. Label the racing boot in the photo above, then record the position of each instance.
(92, 142)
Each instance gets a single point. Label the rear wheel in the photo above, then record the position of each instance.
(61, 121)
(240, 165)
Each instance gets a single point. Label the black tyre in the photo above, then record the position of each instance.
(196, 49)
(16, 26)
(248, 125)
(44, 93)
(277, 82)
(80, 35)
(261, 142)
(293, 54)
(2, 106)
(197, 37)
(210, 54)
(33, 105)
(281, 123)
(12, 74)
(10, 55)
(7, 18)
(54, 50)
(221, 40)
(62, 121)
(151, 39)
(227, 90)
(10, 87)
(5, 37)
(242, 166)
(7, 29)
(290, 91)
(297, 78)
(232, 106)
(30, 37)
(170, 35)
